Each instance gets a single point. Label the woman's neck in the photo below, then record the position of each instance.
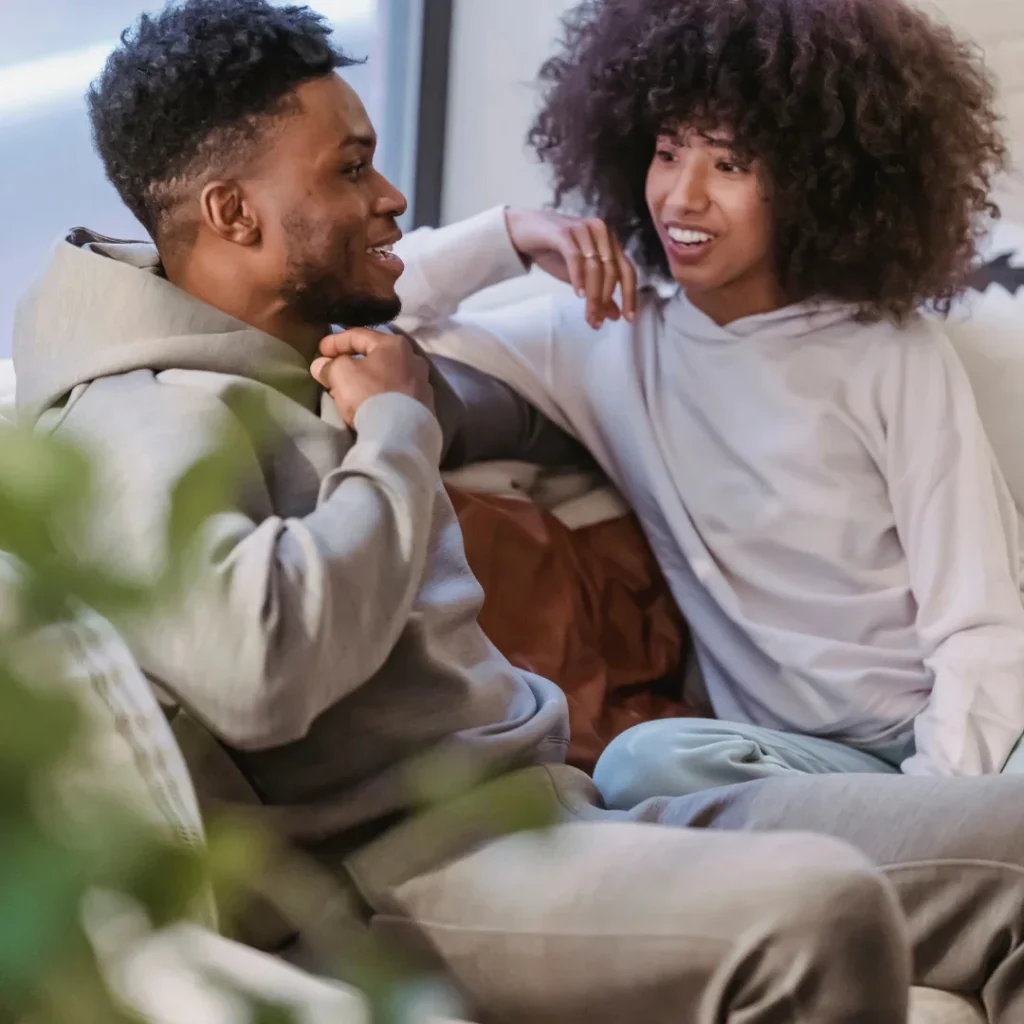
(746, 296)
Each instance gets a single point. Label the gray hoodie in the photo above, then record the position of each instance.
(332, 640)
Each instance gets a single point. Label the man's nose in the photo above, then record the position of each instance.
(389, 202)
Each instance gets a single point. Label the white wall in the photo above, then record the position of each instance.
(498, 45)
(497, 48)
(998, 25)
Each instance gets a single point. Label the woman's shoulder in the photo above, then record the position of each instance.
(914, 361)
(918, 330)
(569, 318)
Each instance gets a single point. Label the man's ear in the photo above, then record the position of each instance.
(226, 211)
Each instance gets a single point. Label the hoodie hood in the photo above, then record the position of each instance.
(796, 322)
(103, 307)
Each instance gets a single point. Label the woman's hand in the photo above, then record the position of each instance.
(583, 253)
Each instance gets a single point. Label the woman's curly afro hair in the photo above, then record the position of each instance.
(875, 125)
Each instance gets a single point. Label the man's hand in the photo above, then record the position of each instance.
(581, 252)
(358, 364)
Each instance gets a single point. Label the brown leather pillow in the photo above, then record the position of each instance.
(588, 609)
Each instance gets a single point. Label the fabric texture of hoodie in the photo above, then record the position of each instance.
(331, 639)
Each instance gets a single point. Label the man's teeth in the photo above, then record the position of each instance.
(687, 237)
(383, 251)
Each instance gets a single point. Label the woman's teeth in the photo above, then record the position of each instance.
(685, 236)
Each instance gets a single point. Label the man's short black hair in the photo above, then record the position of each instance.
(186, 94)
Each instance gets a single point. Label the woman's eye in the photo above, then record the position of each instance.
(665, 155)
(728, 167)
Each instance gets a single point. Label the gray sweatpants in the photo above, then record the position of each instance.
(813, 899)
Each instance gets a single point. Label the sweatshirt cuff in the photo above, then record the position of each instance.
(394, 419)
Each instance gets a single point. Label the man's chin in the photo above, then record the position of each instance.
(367, 312)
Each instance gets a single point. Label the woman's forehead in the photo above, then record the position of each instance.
(711, 137)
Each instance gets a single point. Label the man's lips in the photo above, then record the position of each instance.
(381, 252)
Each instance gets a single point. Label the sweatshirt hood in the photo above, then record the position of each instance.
(795, 322)
(103, 307)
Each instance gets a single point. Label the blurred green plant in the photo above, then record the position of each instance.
(49, 865)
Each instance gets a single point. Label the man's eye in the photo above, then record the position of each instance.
(355, 171)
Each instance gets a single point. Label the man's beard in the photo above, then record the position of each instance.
(315, 298)
(317, 294)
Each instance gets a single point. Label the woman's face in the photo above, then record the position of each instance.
(714, 219)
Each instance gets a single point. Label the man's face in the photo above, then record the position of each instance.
(327, 217)
(714, 221)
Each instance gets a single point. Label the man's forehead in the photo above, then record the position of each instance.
(332, 112)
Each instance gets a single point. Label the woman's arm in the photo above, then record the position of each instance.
(445, 266)
(507, 376)
(960, 531)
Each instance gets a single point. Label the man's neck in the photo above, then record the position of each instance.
(265, 312)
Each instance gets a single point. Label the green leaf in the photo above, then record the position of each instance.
(45, 485)
(37, 727)
(41, 888)
(267, 1013)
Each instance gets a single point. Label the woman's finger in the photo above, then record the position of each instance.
(610, 266)
(593, 273)
(627, 280)
(576, 266)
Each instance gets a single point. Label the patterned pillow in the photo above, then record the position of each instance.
(987, 329)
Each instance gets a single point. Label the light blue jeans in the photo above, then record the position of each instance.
(680, 756)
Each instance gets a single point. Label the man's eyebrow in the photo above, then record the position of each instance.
(367, 141)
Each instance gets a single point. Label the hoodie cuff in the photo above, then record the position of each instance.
(393, 419)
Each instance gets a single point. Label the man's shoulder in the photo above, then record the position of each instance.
(142, 425)
(150, 399)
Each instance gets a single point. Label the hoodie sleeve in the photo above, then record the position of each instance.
(959, 528)
(285, 616)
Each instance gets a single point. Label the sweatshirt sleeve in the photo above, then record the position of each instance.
(537, 344)
(445, 266)
(959, 528)
(287, 616)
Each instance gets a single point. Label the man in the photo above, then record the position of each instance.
(330, 641)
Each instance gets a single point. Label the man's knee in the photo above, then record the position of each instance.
(832, 909)
(822, 883)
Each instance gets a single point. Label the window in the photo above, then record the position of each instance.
(50, 178)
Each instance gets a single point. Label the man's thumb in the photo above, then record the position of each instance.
(319, 371)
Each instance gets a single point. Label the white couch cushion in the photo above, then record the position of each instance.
(6, 391)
